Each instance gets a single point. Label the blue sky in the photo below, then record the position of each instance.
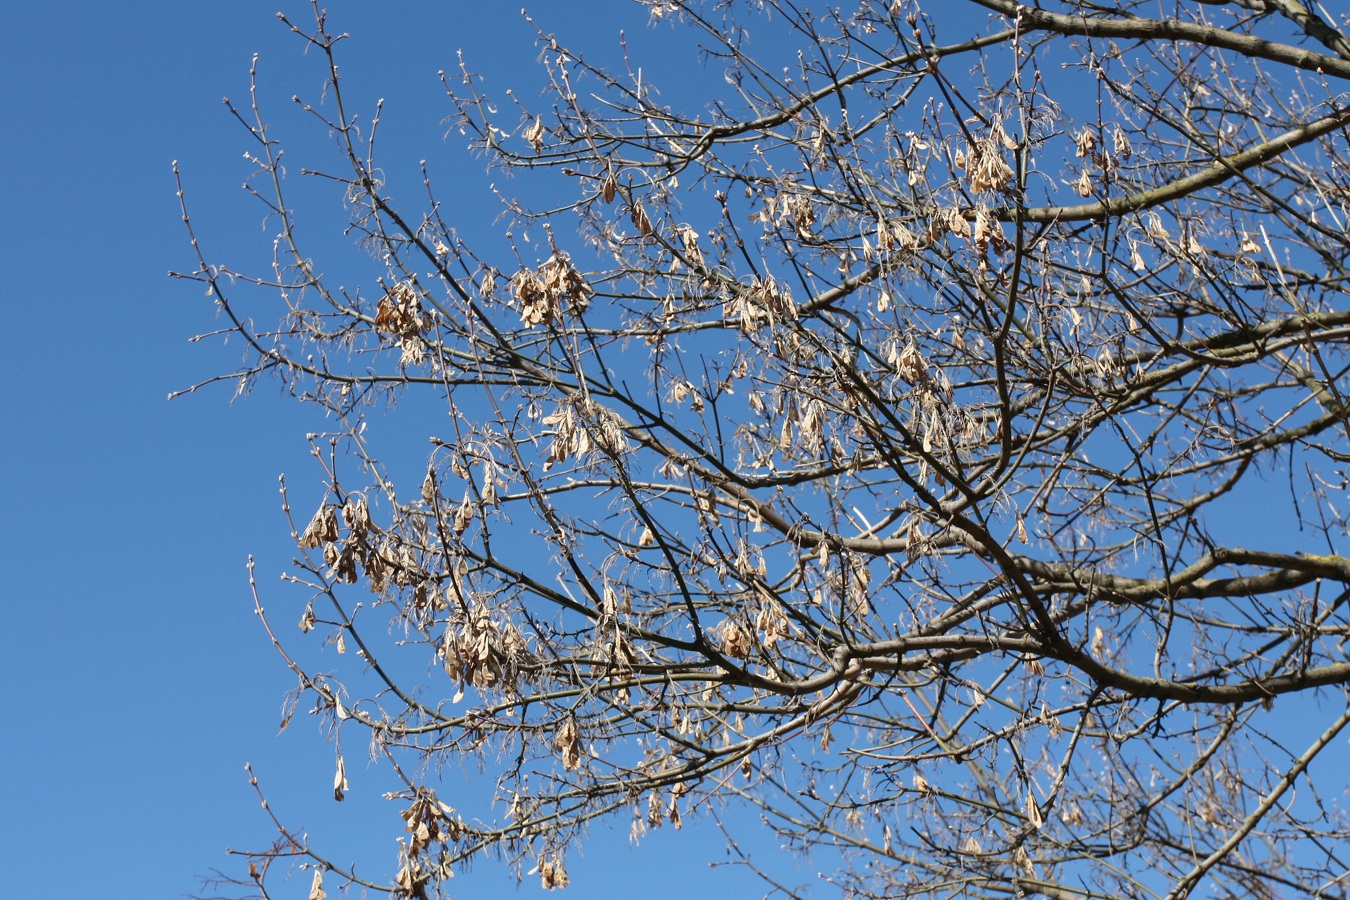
(138, 679)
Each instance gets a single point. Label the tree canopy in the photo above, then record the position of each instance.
(932, 445)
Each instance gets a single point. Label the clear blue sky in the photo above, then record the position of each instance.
(137, 680)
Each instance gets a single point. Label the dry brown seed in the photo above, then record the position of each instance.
(535, 135)
(1034, 811)
(340, 781)
(640, 220)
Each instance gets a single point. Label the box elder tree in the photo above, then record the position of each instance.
(931, 444)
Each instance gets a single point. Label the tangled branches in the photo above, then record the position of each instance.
(934, 447)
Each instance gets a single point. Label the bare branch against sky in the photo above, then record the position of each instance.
(914, 441)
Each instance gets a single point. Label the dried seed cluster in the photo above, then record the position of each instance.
(542, 295)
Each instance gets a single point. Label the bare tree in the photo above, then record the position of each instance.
(934, 446)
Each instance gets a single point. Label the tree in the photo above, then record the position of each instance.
(933, 445)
